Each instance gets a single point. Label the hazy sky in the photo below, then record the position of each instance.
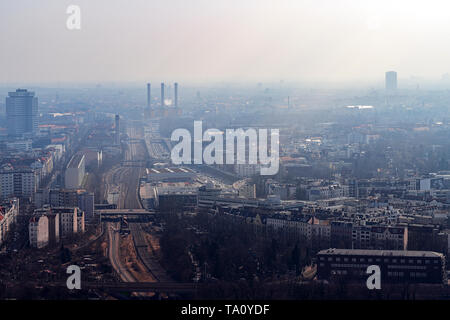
(223, 40)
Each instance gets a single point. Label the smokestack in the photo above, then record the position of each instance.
(117, 130)
(149, 101)
(162, 94)
(176, 94)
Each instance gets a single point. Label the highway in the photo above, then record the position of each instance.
(113, 253)
(141, 245)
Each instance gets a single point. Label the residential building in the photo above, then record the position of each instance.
(19, 182)
(44, 228)
(9, 210)
(38, 231)
(68, 220)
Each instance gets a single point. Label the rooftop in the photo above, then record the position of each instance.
(75, 161)
(169, 170)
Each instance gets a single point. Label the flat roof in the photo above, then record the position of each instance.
(75, 161)
(169, 170)
(381, 253)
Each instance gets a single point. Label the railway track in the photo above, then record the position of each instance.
(127, 178)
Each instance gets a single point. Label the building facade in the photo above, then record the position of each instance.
(18, 182)
(38, 231)
(396, 266)
(9, 210)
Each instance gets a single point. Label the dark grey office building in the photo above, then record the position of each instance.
(396, 266)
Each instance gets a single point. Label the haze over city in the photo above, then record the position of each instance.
(314, 42)
(224, 155)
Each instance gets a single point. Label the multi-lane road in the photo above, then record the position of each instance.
(113, 252)
(141, 245)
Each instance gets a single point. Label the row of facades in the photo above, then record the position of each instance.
(344, 234)
(48, 225)
(9, 210)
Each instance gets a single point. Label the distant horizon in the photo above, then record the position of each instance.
(309, 42)
(403, 84)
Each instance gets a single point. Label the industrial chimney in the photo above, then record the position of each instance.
(117, 130)
(149, 101)
(176, 94)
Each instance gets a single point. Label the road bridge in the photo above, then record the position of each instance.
(135, 213)
(160, 287)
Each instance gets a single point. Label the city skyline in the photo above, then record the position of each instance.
(290, 150)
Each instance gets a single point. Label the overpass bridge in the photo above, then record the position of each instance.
(158, 287)
(134, 140)
(134, 163)
(161, 287)
(114, 214)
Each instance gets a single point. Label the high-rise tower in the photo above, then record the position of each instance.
(162, 95)
(22, 113)
(391, 81)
